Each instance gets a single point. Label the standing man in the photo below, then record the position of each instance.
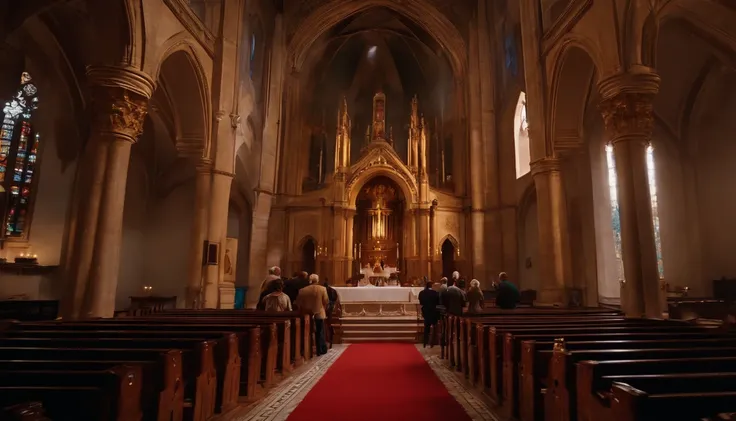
(454, 299)
(313, 300)
(334, 301)
(429, 299)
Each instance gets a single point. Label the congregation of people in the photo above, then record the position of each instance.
(454, 297)
(304, 293)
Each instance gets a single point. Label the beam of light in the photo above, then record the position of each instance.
(372, 52)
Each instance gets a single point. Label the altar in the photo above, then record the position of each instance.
(379, 301)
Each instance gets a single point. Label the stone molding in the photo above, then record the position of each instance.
(545, 165)
(126, 78)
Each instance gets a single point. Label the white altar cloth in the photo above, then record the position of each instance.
(373, 294)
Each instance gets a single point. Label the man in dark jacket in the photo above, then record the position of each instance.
(293, 285)
(429, 299)
(507, 294)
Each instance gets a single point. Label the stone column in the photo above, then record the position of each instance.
(423, 231)
(349, 257)
(216, 233)
(554, 253)
(337, 248)
(120, 101)
(626, 107)
(199, 234)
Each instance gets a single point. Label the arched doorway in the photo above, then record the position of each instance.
(309, 252)
(448, 258)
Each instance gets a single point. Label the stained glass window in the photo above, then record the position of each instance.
(18, 154)
(615, 216)
(510, 54)
(252, 54)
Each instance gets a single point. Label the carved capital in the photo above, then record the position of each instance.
(627, 104)
(119, 112)
(628, 116)
(545, 165)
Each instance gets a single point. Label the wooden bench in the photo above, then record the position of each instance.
(595, 378)
(198, 364)
(162, 393)
(301, 343)
(106, 395)
(281, 344)
(227, 354)
(512, 352)
(256, 343)
(561, 382)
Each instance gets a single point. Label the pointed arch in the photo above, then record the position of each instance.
(451, 239)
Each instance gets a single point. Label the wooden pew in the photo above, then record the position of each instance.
(107, 395)
(281, 345)
(198, 364)
(561, 382)
(251, 337)
(482, 339)
(227, 357)
(301, 326)
(595, 378)
(161, 371)
(513, 346)
(630, 403)
(490, 361)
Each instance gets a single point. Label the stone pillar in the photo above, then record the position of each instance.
(554, 253)
(216, 233)
(120, 102)
(199, 235)
(626, 107)
(423, 219)
(432, 244)
(349, 257)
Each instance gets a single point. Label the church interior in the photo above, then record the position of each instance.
(164, 162)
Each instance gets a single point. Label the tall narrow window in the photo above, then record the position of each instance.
(521, 138)
(615, 216)
(18, 153)
(252, 54)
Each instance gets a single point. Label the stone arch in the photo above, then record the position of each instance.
(357, 184)
(528, 197)
(121, 24)
(183, 80)
(299, 245)
(572, 79)
(451, 238)
(422, 13)
(693, 13)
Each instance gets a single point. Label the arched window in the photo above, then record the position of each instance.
(252, 62)
(509, 46)
(18, 153)
(615, 215)
(521, 138)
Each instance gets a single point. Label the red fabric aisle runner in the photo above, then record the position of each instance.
(379, 382)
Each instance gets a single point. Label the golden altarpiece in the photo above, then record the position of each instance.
(376, 216)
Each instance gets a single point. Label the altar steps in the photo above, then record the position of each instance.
(378, 329)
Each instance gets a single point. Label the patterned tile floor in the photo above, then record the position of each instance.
(284, 398)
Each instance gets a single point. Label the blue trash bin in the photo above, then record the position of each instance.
(240, 297)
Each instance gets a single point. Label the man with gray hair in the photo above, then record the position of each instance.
(274, 273)
(313, 300)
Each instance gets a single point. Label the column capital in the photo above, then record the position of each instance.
(545, 165)
(627, 105)
(118, 112)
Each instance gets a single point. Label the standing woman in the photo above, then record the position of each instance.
(475, 297)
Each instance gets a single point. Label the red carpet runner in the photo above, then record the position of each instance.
(379, 382)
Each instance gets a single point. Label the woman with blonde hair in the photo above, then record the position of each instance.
(475, 297)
